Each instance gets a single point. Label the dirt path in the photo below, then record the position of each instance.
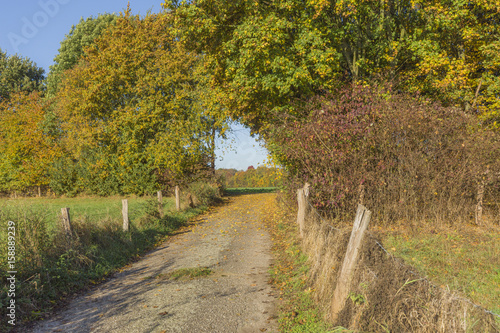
(230, 240)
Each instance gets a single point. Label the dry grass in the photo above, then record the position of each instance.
(465, 260)
(387, 295)
(297, 311)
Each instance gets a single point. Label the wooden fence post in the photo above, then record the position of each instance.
(351, 257)
(126, 221)
(160, 203)
(361, 190)
(479, 205)
(66, 221)
(177, 199)
(302, 195)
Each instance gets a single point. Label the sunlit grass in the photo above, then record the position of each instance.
(53, 266)
(249, 190)
(466, 260)
(297, 312)
(92, 209)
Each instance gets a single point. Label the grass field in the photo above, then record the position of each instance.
(92, 209)
(466, 259)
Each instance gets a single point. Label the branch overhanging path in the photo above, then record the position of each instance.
(230, 240)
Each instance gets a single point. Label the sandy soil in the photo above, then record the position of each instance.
(231, 240)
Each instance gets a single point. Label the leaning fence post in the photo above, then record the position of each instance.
(351, 257)
(302, 195)
(126, 221)
(66, 221)
(177, 199)
(160, 203)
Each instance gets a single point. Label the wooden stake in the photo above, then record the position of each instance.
(66, 221)
(126, 222)
(351, 257)
(177, 199)
(302, 195)
(479, 205)
(361, 189)
(160, 203)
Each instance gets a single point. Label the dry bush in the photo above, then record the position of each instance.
(413, 160)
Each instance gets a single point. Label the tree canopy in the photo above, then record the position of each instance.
(135, 103)
(132, 103)
(19, 74)
(75, 42)
(262, 54)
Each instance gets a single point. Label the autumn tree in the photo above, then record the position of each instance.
(262, 54)
(19, 74)
(27, 145)
(263, 176)
(456, 52)
(72, 47)
(132, 109)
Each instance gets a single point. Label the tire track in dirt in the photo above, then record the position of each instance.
(230, 240)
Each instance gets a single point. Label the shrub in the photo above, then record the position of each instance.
(412, 159)
(206, 193)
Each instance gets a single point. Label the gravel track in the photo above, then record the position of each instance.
(231, 240)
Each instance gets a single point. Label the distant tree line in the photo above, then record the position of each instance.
(263, 176)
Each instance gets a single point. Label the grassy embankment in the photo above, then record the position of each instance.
(297, 311)
(51, 266)
(464, 259)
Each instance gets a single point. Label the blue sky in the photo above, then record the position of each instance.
(35, 28)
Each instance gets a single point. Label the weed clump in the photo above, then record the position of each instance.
(206, 193)
(189, 273)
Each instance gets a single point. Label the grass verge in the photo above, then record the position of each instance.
(51, 266)
(466, 260)
(297, 311)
